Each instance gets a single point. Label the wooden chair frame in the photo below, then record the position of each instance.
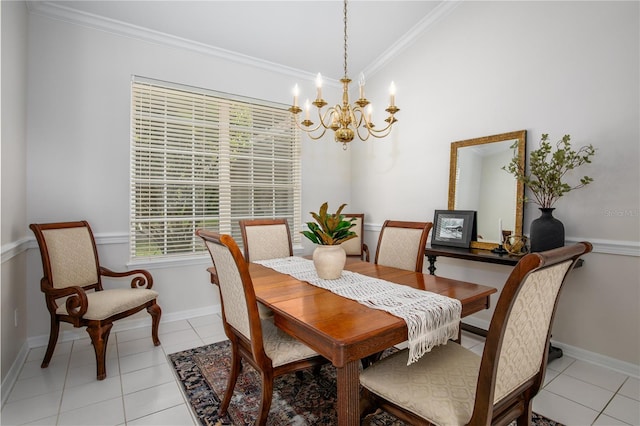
(77, 302)
(424, 226)
(517, 405)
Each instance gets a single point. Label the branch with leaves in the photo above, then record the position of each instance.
(547, 169)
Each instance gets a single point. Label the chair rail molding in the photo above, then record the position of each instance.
(14, 248)
(615, 247)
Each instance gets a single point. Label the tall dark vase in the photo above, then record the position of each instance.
(547, 232)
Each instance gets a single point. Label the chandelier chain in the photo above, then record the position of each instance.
(345, 39)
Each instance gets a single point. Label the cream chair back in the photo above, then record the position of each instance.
(402, 244)
(525, 335)
(72, 257)
(353, 247)
(232, 291)
(266, 239)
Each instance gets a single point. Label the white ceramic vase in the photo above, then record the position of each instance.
(329, 261)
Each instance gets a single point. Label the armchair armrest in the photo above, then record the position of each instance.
(76, 301)
(141, 277)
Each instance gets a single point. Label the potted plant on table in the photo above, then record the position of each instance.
(546, 181)
(329, 231)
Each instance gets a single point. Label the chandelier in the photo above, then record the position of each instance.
(344, 119)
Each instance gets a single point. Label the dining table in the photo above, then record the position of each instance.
(345, 331)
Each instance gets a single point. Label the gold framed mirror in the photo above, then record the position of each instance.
(477, 182)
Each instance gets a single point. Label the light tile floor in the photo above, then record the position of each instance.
(141, 389)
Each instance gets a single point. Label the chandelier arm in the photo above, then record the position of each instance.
(380, 133)
(310, 132)
(322, 117)
(367, 133)
(306, 129)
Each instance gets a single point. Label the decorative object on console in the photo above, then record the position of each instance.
(344, 119)
(516, 245)
(329, 231)
(547, 169)
(455, 228)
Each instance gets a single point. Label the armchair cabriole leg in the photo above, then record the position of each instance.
(53, 339)
(99, 337)
(155, 312)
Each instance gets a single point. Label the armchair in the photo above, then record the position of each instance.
(72, 287)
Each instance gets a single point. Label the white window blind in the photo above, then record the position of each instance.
(201, 159)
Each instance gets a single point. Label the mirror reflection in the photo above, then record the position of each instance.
(477, 182)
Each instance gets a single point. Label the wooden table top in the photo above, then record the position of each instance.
(344, 330)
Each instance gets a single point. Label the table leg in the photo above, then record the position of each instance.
(432, 264)
(348, 378)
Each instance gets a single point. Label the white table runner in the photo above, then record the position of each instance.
(432, 319)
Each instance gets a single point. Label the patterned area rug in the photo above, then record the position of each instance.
(310, 400)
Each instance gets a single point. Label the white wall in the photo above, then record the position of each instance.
(78, 144)
(14, 134)
(486, 68)
(547, 67)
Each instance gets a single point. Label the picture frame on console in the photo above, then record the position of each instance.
(455, 228)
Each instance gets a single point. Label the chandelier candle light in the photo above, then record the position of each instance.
(344, 119)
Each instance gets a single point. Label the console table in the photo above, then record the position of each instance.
(476, 255)
(485, 256)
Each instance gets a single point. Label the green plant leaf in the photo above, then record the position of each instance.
(329, 228)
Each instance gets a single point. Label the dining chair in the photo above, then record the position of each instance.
(356, 247)
(258, 341)
(452, 385)
(402, 244)
(73, 290)
(265, 239)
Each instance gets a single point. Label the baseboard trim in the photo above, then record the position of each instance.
(627, 368)
(14, 372)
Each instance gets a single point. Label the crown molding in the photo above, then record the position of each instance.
(70, 15)
(67, 14)
(437, 14)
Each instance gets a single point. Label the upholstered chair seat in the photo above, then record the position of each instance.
(442, 384)
(281, 347)
(107, 303)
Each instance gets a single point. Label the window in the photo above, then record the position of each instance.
(201, 159)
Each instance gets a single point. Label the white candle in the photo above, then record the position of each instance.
(500, 230)
(296, 92)
(319, 85)
(392, 94)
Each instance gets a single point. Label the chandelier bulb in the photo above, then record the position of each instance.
(319, 86)
(392, 94)
(361, 82)
(296, 92)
